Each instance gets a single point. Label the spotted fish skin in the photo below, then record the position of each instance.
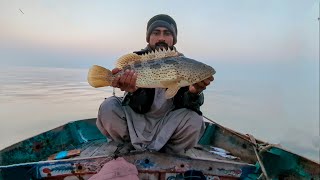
(181, 70)
(165, 71)
(160, 69)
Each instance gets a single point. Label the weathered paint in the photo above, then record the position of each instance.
(25, 157)
(279, 162)
(206, 139)
(145, 163)
(157, 163)
(40, 147)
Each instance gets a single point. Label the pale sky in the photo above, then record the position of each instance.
(79, 33)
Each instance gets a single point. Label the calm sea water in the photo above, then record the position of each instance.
(34, 100)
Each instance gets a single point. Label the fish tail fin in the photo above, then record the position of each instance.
(99, 76)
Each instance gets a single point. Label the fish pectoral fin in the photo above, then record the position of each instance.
(171, 92)
(172, 88)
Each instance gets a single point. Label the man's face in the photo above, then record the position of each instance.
(161, 38)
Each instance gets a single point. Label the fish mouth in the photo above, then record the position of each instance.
(213, 71)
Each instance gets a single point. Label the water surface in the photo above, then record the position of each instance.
(34, 100)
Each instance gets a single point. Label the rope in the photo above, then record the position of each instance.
(252, 140)
(254, 144)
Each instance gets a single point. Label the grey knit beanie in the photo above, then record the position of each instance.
(162, 20)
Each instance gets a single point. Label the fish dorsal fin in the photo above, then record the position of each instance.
(127, 59)
(158, 54)
(134, 58)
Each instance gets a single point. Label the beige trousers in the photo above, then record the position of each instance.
(175, 132)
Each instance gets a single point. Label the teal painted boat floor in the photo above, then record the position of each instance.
(85, 136)
(101, 147)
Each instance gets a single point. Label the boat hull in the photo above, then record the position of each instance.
(29, 159)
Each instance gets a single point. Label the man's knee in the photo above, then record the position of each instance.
(196, 121)
(111, 119)
(110, 111)
(109, 103)
(187, 134)
(110, 106)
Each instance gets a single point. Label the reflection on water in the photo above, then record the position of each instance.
(45, 83)
(34, 100)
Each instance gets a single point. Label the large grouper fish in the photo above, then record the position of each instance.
(157, 69)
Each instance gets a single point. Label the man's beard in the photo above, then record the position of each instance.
(161, 45)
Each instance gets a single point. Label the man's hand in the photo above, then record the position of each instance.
(126, 82)
(200, 86)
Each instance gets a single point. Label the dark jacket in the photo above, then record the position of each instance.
(141, 100)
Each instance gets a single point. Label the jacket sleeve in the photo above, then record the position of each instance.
(185, 99)
(140, 101)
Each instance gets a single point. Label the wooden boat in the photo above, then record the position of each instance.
(77, 150)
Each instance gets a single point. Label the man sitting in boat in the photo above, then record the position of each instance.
(144, 116)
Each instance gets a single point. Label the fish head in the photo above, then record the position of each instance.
(195, 71)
